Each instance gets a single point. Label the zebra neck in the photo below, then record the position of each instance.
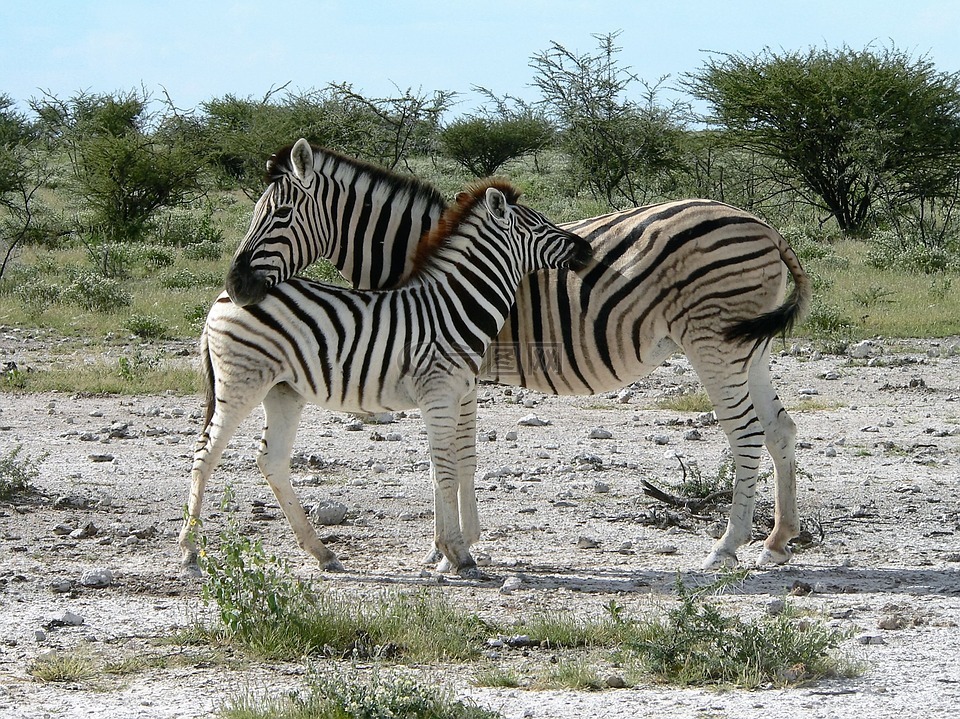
(374, 219)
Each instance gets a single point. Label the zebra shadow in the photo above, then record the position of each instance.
(798, 579)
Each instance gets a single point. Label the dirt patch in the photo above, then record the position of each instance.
(565, 519)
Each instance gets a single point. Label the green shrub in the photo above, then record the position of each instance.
(97, 293)
(147, 326)
(184, 279)
(156, 257)
(17, 473)
(37, 295)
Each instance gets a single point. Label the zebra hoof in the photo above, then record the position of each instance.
(720, 559)
(333, 565)
(472, 572)
(770, 555)
(191, 570)
(444, 565)
(434, 556)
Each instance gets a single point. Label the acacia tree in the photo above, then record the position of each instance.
(123, 170)
(622, 149)
(845, 122)
(506, 130)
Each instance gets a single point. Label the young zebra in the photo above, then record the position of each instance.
(419, 345)
(695, 275)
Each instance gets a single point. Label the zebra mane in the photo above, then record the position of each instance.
(436, 239)
(280, 165)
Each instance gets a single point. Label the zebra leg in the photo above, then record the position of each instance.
(728, 389)
(282, 408)
(441, 425)
(781, 432)
(466, 471)
(206, 455)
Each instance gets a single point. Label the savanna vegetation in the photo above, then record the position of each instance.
(119, 212)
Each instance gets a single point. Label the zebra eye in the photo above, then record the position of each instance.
(282, 213)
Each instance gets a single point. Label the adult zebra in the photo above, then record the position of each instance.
(420, 345)
(695, 275)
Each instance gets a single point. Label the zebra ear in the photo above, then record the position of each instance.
(497, 206)
(301, 157)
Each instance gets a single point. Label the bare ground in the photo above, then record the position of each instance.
(879, 449)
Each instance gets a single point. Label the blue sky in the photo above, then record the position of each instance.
(208, 48)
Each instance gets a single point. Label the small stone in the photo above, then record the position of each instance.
(62, 530)
(511, 436)
(393, 436)
(587, 543)
(600, 433)
(892, 622)
(706, 419)
(601, 487)
(100, 457)
(808, 391)
(39, 635)
(692, 435)
(666, 549)
(775, 607)
(62, 586)
(800, 589)
(96, 578)
(70, 619)
(624, 396)
(382, 418)
(870, 639)
(354, 425)
(328, 512)
(511, 584)
(660, 439)
(830, 451)
(615, 681)
(85, 532)
(532, 420)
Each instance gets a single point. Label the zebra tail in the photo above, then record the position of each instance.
(781, 320)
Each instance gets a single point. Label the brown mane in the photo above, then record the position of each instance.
(454, 215)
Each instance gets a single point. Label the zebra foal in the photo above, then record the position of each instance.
(419, 345)
(697, 276)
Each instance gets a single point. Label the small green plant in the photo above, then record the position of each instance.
(697, 644)
(37, 295)
(263, 608)
(357, 697)
(131, 368)
(72, 667)
(97, 293)
(873, 296)
(147, 326)
(186, 279)
(17, 473)
(687, 402)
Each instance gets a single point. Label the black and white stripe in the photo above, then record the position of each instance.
(697, 276)
(420, 345)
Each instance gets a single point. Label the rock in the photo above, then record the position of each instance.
(892, 622)
(39, 635)
(808, 391)
(706, 418)
(692, 435)
(587, 543)
(382, 418)
(624, 396)
(511, 584)
(615, 681)
(61, 586)
(870, 639)
(328, 512)
(393, 436)
(100, 457)
(85, 532)
(96, 578)
(532, 420)
(666, 549)
(775, 607)
(354, 425)
(61, 530)
(830, 451)
(601, 487)
(600, 433)
(862, 350)
(511, 436)
(69, 619)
